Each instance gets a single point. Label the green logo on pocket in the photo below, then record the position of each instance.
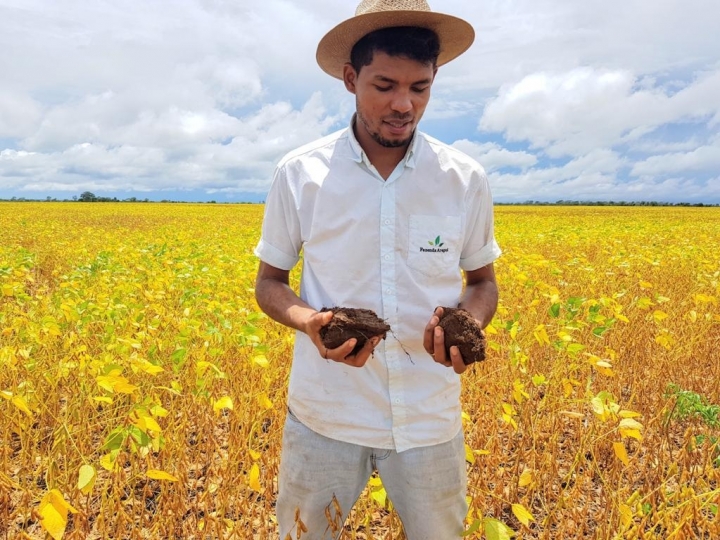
(437, 243)
(435, 247)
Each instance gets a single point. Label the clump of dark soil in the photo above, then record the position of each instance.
(461, 329)
(348, 323)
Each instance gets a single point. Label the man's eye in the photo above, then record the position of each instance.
(419, 90)
(383, 88)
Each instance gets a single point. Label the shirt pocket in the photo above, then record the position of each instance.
(434, 244)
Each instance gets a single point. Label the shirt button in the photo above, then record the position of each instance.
(388, 291)
(387, 257)
(397, 400)
(387, 222)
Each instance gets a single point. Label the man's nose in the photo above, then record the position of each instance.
(401, 103)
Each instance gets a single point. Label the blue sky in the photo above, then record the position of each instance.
(198, 99)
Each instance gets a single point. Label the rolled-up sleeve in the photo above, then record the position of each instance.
(281, 241)
(480, 247)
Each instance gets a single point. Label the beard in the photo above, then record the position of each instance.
(382, 141)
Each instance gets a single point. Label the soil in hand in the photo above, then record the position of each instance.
(461, 329)
(348, 323)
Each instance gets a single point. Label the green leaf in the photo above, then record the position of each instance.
(473, 528)
(437, 240)
(497, 530)
(430, 243)
(115, 439)
(555, 310)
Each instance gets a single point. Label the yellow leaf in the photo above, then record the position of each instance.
(53, 512)
(86, 479)
(21, 404)
(621, 453)
(604, 368)
(152, 369)
(705, 299)
(629, 423)
(161, 475)
(541, 335)
(107, 462)
(159, 411)
(630, 428)
(265, 402)
(629, 414)
(646, 285)
(148, 423)
(469, 456)
(379, 496)
(255, 455)
(224, 402)
(522, 514)
(625, 515)
(254, 479)
(659, 315)
(261, 361)
(103, 399)
(527, 477)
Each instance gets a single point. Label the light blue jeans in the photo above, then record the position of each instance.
(427, 485)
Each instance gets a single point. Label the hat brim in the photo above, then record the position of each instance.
(333, 52)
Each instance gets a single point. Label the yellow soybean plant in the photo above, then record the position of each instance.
(142, 390)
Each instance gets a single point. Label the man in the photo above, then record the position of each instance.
(363, 205)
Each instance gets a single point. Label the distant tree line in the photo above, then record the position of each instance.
(563, 202)
(88, 196)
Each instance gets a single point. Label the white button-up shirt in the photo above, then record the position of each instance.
(394, 246)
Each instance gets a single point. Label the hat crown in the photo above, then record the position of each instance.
(375, 6)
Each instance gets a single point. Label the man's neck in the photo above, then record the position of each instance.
(383, 158)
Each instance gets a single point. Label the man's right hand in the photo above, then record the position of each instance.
(341, 353)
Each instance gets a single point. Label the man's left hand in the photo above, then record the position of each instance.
(434, 343)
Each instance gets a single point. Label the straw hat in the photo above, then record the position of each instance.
(456, 35)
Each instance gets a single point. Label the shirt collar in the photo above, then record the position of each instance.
(358, 153)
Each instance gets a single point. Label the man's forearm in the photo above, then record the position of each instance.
(281, 303)
(481, 300)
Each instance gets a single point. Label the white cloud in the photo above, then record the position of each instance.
(702, 159)
(208, 94)
(571, 113)
(19, 115)
(244, 162)
(492, 156)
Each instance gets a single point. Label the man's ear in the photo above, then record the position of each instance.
(350, 77)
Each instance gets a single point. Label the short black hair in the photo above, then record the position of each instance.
(413, 42)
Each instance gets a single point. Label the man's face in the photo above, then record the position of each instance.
(391, 95)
